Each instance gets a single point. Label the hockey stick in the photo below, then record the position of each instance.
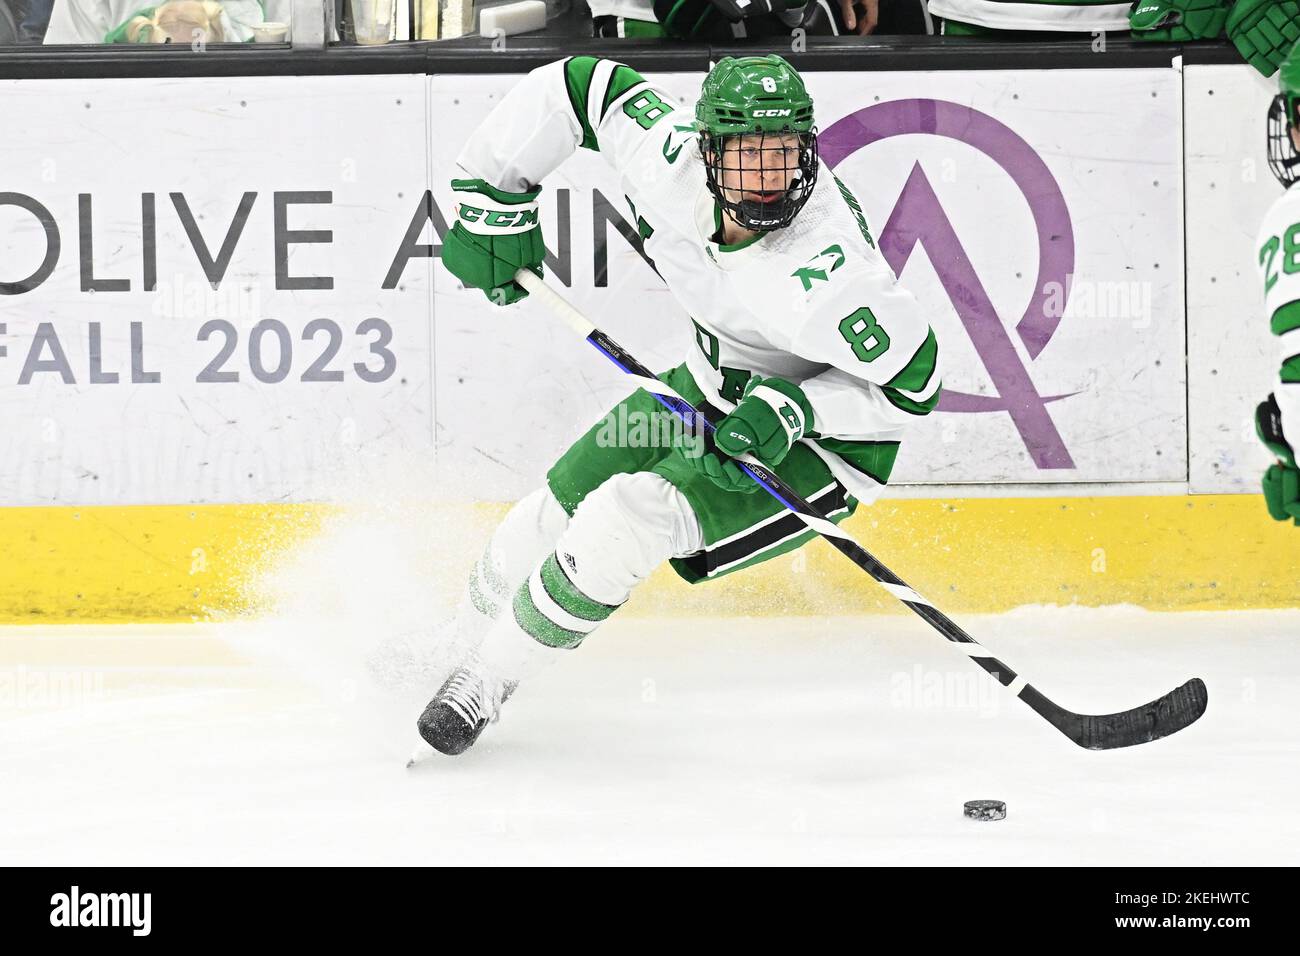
(1160, 718)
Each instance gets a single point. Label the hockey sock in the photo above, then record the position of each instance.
(551, 609)
(526, 533)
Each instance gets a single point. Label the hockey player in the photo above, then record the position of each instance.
(802, 335)
(1279, 264)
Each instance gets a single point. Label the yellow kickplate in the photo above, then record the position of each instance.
(153, 563)
(180, 563)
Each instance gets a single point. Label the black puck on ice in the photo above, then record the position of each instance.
(985, 809)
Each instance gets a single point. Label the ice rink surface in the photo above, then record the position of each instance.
(660, 741)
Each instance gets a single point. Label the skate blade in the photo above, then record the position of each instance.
(419, 755)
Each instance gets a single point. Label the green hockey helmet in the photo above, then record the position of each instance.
(1282, 156)
(762, 97)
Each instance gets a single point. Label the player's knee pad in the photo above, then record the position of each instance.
(532, 525)
(622, 531)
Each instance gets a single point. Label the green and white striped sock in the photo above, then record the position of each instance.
(489, 591)
(551, 609)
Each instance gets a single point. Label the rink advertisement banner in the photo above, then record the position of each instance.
(1232, 358)
(207, 287)
(227, 308)
(1041, 229)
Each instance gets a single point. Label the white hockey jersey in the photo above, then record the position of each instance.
(1278, 255)
(632, 9)
(814, 303)
(1078, 16)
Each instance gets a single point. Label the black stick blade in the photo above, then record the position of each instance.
(1166, 715)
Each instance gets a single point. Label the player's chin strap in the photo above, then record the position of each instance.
(1159, 718)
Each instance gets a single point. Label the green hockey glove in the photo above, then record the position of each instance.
(495, 235)
(1264, 31)
(1177, 21)
(1282, 492)
(1282, 480)
(723, 472)
(772, 415)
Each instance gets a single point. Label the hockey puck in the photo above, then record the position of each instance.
(985, 809)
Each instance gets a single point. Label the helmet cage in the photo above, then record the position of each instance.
(1283, 159)
(753, 214)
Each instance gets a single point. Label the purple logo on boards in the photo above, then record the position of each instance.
(918, 217)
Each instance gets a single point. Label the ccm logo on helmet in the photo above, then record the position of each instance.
(771, 113)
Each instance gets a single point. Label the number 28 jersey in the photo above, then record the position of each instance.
(814, 303)
(1278, 250)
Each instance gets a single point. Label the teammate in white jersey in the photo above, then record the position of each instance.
(802, 335)
(1279, 263)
